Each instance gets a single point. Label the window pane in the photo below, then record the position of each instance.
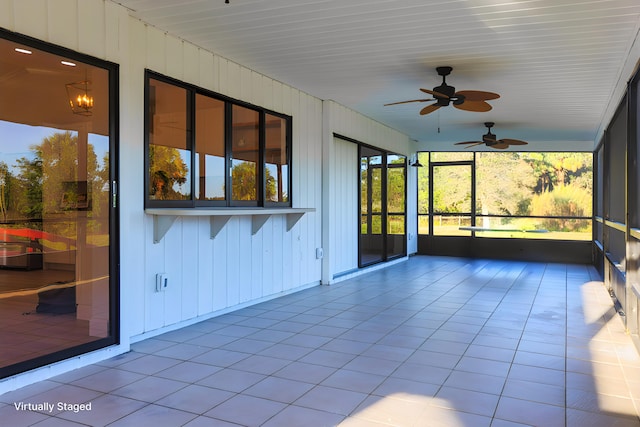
(452, 189)
(276, 161)
(395, 224)
(210, 148)
(376, 184)
(423, 224)
(395, 190)
(505, 183)
(245, 154)
(538, 184)
(454, 156)
(54, 205)
(364, 185)
(169, 150)
(423, 183)
(451, 225)
(615, 155)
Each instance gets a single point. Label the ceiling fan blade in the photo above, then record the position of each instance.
(412, 100)
(477, 106)
(468, 142)
(500, 146)
(435, 94)
(477, 95)
(429, 109)
(473, 145)
(513, 141)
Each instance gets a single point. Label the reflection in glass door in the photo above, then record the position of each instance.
(56, 223)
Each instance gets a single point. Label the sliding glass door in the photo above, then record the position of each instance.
(57, 223)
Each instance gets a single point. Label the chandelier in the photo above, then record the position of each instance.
(80, 101)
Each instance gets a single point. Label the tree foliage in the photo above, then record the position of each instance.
(566, 201)
(168, 173)
(49, 181)
(244, 182)
(504, 184)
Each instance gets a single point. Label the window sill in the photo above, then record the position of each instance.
(163, 219)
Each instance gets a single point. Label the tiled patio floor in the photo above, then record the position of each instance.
(430, 342)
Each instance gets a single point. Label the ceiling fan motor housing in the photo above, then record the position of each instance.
(489, 139)
(444, 88)
(448, 91)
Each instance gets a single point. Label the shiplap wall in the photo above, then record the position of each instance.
(235, 268)
(345, 209)
(206, 276)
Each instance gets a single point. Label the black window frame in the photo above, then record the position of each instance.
(193, 201)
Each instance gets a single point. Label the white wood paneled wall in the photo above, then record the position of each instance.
(345, 207)
(349, 123)
(236, 267)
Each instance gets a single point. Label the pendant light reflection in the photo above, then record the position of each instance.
(415, 162)
(80, 101)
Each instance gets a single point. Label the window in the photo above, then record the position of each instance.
(544, 195)
(276, 159)
(204, 149)
(210, 156)
(169, 143)
(245, 155)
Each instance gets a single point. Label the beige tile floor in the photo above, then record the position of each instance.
(431, 342)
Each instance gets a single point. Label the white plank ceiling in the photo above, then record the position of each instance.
(559, 65)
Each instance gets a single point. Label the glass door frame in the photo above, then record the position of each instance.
(432, 213)
(383, 166)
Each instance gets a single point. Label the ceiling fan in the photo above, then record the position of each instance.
(491, 141)
(443, 95)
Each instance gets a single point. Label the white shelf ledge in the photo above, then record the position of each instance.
(163, 219)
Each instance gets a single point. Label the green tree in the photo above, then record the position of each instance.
(557, 169)
(452, 189)
(29, 203)
(395, 190)
(569, 200)
(5, 189)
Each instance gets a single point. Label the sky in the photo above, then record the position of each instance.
(16, 140)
